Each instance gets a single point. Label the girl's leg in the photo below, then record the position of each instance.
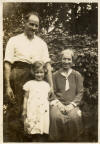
(40, 138)
(28, 138)
(45, 137)
(35, 138)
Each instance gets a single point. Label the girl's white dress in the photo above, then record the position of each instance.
(37, 107)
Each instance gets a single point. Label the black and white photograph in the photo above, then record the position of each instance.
(50, 72)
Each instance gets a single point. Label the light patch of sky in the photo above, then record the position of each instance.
(79, 9)
(70, 11)
(89, 7)
(68, 19)
(52, 26)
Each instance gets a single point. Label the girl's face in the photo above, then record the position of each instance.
(66, 61)
(39, 74)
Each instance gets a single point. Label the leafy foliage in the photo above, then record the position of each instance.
(86, 56)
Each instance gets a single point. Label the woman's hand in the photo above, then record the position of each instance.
(51, 95)
(54, 102)
(69, 107)
(58, 104)
(61, 107)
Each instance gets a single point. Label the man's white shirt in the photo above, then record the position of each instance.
(20, 48)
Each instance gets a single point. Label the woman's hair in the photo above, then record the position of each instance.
(36, 66)
(69, 51)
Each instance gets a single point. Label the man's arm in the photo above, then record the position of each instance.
(7, 72)
(49, 76)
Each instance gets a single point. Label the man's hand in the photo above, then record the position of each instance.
(10, 95)
(51, 95)
(24, 115)
(51, 91)
(26, 125)
(8, 90)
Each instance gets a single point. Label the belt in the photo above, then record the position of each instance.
(19, 64)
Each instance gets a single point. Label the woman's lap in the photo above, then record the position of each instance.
(65, 127)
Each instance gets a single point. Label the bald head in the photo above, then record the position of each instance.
(32, 16)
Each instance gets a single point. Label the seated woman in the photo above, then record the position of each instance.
(65, 115)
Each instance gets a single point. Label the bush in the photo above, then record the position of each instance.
(86, 53)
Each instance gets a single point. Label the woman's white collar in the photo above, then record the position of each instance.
(66, 75)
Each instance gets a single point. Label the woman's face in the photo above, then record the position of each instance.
(39, 74)
(66, 61)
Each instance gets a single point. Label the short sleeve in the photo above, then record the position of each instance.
(26, 86)
(45, 56)
(9, 52)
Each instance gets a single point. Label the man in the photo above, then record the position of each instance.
(21, 51)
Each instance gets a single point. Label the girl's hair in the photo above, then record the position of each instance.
(36, 66)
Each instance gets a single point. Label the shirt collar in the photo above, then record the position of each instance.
(66, 75)
(28, 39)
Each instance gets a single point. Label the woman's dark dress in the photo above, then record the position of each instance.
(67, 127)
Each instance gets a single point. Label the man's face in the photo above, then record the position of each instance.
(31, 26)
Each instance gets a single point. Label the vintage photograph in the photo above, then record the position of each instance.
(50, 61)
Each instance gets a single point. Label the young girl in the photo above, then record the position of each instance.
(36, 104)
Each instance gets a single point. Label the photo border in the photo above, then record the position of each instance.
(1, 59)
